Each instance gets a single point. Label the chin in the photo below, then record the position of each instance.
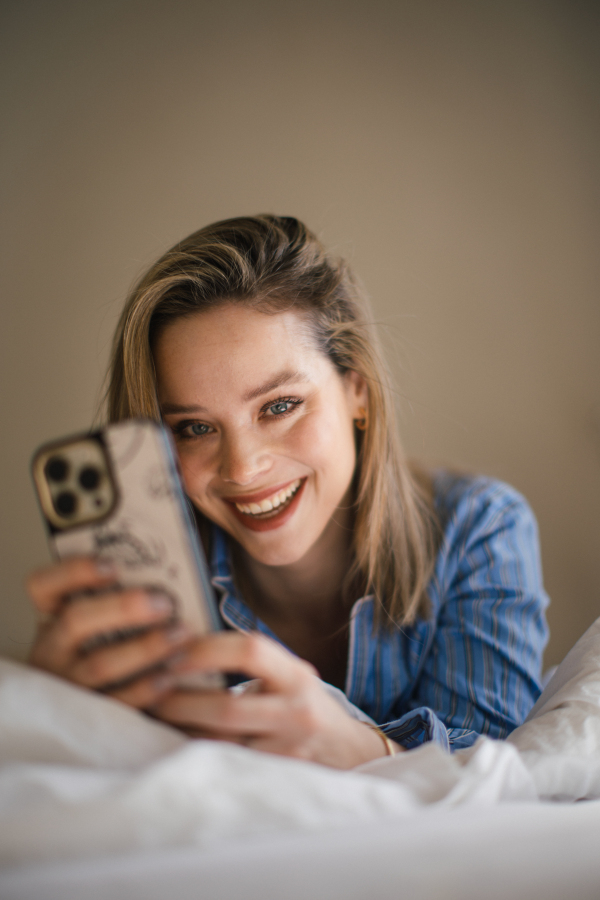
(279, 553)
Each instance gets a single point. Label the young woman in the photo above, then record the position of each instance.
(337, 563)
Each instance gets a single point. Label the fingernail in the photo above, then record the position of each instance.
(178, 634)
(163, 682)
(105, 568)
(160, 603)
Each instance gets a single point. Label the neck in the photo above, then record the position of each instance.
(308, 591)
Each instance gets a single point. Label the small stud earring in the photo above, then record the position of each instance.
(361, 423)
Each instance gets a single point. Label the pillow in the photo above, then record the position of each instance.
(560, 738)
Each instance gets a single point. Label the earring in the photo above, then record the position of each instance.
(362, 423)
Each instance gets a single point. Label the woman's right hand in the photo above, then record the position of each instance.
(134, 670)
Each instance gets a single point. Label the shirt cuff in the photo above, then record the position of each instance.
(417, 727)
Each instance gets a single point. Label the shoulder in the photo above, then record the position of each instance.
(485, 525)
(470, 502)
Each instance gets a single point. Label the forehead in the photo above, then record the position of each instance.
(234, 345)
(232, 328)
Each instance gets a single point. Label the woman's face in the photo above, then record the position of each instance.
(263, 424)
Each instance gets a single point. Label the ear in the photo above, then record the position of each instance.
(357, 393)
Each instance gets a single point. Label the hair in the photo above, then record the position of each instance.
(273, 263)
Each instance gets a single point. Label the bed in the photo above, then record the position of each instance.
(98, 801)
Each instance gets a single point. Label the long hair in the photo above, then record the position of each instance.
(271, 263)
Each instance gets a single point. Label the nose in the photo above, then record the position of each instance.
(243, 458)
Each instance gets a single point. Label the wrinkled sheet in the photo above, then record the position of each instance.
(82, 776)
(559, 742)
(99, 801)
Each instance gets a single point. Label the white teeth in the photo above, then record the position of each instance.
(270, 503)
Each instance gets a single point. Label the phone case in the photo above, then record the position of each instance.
(115, 494)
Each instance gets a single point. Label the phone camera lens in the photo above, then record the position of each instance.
(89, 478)
(66, 503)
(56, 469)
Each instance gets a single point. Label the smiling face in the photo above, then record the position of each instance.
(263, 424)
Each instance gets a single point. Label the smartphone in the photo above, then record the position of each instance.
(115, 494)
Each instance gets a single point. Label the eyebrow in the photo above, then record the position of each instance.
(272, 384)
(279, 380)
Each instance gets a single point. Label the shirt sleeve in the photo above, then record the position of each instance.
(481, 672)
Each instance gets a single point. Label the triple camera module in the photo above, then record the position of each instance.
(57, 470)
(75, 482)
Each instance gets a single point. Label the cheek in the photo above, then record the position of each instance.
(326, 444)
(194, 473)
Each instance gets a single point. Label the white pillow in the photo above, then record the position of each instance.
(560, 739)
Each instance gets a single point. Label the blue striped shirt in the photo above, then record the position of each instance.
(474, 665)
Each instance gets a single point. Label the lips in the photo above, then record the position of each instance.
(271, 502)
(252, 510)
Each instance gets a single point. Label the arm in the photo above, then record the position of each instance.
(481, 674)
(291, 714)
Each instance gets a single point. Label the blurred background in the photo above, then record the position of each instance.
(448, 149)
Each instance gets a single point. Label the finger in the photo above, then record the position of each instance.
(202, 734)
(144, 693)
(49, 586)
(222, 712)
(253, 654)
(60, 640)
(87, 618)
(108, 666)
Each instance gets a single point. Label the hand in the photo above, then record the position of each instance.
(68, 642)
(290, 714)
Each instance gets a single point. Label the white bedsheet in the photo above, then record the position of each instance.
(97, 801)
(72, 786)
(510, 851)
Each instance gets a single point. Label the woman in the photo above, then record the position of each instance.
(419, 595)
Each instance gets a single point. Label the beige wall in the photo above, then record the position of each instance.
(449, 149)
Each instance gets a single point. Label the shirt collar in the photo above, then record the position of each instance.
(231, 606)
(240, 617)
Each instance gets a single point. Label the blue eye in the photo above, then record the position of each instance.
(281, 407)
(187, 431)
(284, 406)
(198, 429)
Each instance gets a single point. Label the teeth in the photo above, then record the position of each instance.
(270, 503)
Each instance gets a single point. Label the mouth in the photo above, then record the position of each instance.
(269, 511)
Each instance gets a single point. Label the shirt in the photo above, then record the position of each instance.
(473, 666)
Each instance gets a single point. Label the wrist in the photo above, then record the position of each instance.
(372, 744)
(391, 747)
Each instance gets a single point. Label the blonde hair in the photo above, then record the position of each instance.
(271, 263)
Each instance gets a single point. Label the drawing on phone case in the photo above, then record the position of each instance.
(116, 494)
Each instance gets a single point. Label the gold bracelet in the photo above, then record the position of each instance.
(390, 749)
